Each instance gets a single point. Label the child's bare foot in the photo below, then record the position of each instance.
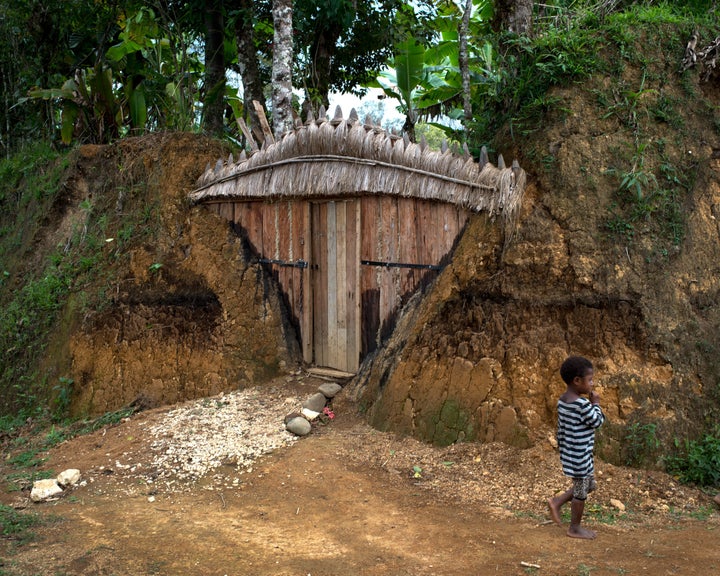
(580, 532)
(554, 511)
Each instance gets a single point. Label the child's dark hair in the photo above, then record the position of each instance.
(575, 366)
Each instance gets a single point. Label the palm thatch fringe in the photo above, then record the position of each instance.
(339, 157)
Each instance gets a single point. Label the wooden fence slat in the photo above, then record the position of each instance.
(320, 291)
(388, 300)
(331, 250)
(284, 252)
(341, 285)
(407, 249)
(353, 282)
(255, 227)
(370, 238)
(226, 210)
(305, 240)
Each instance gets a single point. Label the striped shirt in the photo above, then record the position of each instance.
(577, 422)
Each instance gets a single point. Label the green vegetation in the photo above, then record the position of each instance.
(41, 289)
(29, 185)
(698, 461)
(640, 443)
(16, 525)
(24, 451)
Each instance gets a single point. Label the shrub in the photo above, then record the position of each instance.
(700, 462)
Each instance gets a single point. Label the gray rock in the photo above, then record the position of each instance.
(291, 416)
(316, 402)
(299, 426)
(330, 389)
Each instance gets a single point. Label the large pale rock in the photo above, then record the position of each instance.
(45, 489)
(299, 426)
(68, 477)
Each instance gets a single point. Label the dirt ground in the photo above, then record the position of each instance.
(348, 499)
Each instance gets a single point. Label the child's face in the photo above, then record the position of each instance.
(584, 384)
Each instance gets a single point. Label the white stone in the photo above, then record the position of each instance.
(617, 504)
(45, 489)
(68, 477)
(309, 414)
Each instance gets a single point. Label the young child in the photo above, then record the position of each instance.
(578, 418)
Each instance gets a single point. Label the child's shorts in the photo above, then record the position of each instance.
(583, 486)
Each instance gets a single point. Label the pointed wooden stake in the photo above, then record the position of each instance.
(264, 125)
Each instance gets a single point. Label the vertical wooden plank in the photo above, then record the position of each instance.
(240, 214)
(463, 216)
(305, 239)
(239, 218)
(315, 274)
(226, 211)
(254, 226)
(284, 250)
(423, 232)
(369, 276)
(388, 208)
(340, 295)
(449, 213)
(320, 284)
(332, 318)
(353, 285)
(269, 236)
(408, 247)
(323, 277)
(436, 225)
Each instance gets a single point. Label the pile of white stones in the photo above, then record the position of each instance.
(197, 438)
(231, 429)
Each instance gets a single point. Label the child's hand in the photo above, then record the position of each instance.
(594, 397)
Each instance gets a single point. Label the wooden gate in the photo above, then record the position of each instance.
(335, 272)
(345, 267)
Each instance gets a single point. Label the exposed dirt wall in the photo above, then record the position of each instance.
(184, 314)
(479, 356)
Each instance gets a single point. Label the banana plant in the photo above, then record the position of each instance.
(402, 80)
(88, 105)
(427, 80)
(139, 84)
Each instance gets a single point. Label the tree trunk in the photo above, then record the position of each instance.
(317, 83)
(282, 67)
(214, 105)
(248, 65)
(464, 59)
(513, 16)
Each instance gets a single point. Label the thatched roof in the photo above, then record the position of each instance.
(344, 157)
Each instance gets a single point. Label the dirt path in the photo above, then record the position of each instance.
(342, 501)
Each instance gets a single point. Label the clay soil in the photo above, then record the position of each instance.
(348, 499)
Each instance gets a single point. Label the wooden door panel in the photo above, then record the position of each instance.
(335, 279)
